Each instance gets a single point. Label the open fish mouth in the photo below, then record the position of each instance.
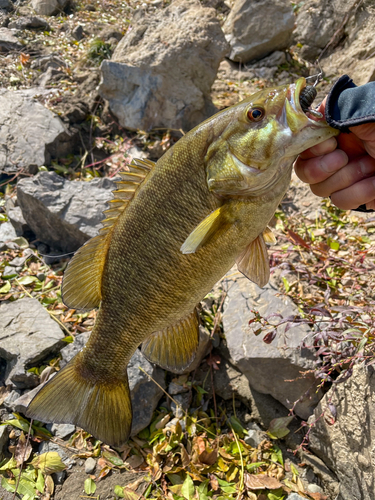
(304, 96)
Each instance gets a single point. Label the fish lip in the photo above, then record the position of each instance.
(293, 96)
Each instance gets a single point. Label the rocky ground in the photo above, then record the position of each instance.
(279, 401)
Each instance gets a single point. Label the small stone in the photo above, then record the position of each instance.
(4, 434)
(77, 33)
(47, 446)
(9, 272)
(314, 488)
(11, 398)
(295, 496)
(59, 477)
(174, 388)
(90, 465)
(8, 41)
(7, 232)
(41, 276)
(29, 22)
(20, 261)
(62, 430)
(254, 438)
(183, 401)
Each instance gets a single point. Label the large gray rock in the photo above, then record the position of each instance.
(29, 133)
(271, 368)
(145, 394)
(63, 214)
(161, 72)
(254, 29)
(29, 23)
(8, 42)
(48, 7)
(347, 445)
(27, 335)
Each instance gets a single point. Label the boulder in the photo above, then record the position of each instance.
(48, 7)
(254, 29)
(63, 214)
(29, 133)
(274, 368)
(8, 42)
(29, 23)
(345, 441)
(161, 72)
(145, 394)
(27, 335)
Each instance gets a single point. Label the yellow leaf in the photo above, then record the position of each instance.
(49, 462)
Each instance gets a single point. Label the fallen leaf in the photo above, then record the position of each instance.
(49, 462)
(134, 461)
(279, 427)
(214, 482)
(261, 481)
(23, 450)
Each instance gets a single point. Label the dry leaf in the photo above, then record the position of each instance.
(318, 496)
(4, 392)
(23, 451)
(208, 457)
(214, 482)
(134, 461)
(261, 481)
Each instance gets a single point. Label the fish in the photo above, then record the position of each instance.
(172, 230)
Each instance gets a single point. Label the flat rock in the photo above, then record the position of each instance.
(29, 133)
(8, 42)
(7, 232)
(161, 72)
(347, 445)
(48, 7)
(270, 368)
(27, 335)
(255, 29)
(63, 214)
(145, 394)
(29, 23)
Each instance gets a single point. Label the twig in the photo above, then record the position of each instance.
(241, 460)
(23, 459)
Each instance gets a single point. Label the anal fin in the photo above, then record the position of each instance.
(174, 347)
(254, 263)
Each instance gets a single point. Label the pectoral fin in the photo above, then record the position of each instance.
(174, 347)
(204, 231)
(254, 263)
(269, 237)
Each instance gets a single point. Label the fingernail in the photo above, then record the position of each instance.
(333, 161)
(366, 168)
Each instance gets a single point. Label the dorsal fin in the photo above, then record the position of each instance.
(81, 287)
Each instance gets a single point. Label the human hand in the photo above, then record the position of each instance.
(342, 168)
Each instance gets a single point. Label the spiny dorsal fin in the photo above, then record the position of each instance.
(82, 283)
(254, 263)
(174, 347)
(269, 237)
(205, 230)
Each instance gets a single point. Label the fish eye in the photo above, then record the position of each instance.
(256, 114)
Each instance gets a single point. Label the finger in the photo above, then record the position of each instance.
(370, 205)
(318, 169)
(362, 192)
(345, 177)
(323, 148)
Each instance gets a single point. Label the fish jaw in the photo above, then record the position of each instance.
(305, 131)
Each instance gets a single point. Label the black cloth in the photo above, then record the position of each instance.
(348, 106)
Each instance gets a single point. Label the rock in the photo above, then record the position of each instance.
(18, 222)
(295, 496)
(8, 42)
(20, 261)
(90, 465)
(145, 394)
(269, 368)
(314, 488)
(48, 446)
(4, 434)
(161, 72)
(48, 7)
(9, 272)
(7, 232)
(255, 29)
(29, 133)
(183, 401)
(77, 32)
(4, 18)
(11, 398)
(27, 335)
(255, 435)
(20, 405)
(63, 214)
(6, 5)
(346, 446)
(50, 61)
(29, 23)
(62, 430)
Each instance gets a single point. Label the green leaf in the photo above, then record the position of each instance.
(255, 465)
(10, 464)
(3, 218)
(119, 491)
(335, 245)
(49, 462)
(68, 339)
(20, 424)
(279, 427)
(5, 288)
(8, 486)
(21, 242)
(112, 458)
(40, 482)
(27, 280)
(279, 455)
(237, 426)
(276, 494)
(187, 490)
(90, 486)
(286, 284)
(26, 487)
(294, 470)
(203, 487)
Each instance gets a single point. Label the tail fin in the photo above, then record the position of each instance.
(102, 409)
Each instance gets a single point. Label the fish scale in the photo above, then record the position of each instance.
(182, 225)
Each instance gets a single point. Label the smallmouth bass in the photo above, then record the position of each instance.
(173, 229)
